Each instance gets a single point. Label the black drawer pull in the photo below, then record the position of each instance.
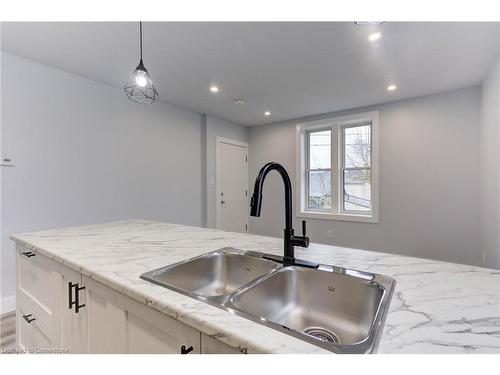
(76, 302)
(28, 254)
(28, 319)
(186, 351)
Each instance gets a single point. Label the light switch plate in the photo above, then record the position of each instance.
(7, 161)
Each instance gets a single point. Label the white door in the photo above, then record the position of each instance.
(232, 185)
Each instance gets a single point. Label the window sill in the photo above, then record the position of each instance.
(339, 217)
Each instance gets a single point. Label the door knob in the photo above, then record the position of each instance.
(223, 202)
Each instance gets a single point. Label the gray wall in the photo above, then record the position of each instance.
(490, 161)
(217, 127)
(429, 196)
(85, 154)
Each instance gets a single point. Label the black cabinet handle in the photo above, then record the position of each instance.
(186, 351)
(76, 301)
(28, 254)
(28, 319)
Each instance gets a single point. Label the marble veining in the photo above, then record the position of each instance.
(437, 307)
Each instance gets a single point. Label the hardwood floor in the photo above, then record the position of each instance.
(7, 331)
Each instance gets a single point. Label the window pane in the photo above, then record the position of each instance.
(320, 149)
(357, 147)
(320, 196)
(357, 190)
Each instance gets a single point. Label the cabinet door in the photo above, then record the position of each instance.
(149, 331)
(74, 312)
(106, 320)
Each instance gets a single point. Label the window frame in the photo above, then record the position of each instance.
(337, 125)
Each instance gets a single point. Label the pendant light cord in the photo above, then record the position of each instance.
(140, 33)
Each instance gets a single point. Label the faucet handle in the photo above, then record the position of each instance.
(303, 240)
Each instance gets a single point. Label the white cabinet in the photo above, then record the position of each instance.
(106, 321)
(119, 324)
(38, 303)
(74, 311)
(149, 331)
(59, 308)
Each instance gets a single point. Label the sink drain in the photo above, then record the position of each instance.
(321, 334)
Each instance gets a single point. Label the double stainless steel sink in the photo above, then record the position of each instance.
(338, 309)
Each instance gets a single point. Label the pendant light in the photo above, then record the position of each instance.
(139, 87)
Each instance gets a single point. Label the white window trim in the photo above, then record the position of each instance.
(300, 204)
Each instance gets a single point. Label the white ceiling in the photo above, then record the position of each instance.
(291, 69)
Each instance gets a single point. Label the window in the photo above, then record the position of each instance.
(337, 168)
(319, 171)
(356, 168)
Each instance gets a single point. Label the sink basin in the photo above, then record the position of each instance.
(329, 307)
(338, 309)
(215, 274)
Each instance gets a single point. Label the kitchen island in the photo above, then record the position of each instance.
(437, 307)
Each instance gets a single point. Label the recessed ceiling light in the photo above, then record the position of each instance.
(391, 87)
(239, 101)
(374, 36)
(369, 23)
(267, 113)
(214, 88)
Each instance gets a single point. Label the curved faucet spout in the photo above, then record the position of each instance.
(256, 202)
(290, 240)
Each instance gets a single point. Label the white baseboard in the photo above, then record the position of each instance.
(7, 304)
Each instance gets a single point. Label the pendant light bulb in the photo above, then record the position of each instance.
(139, 87)
(140, 80)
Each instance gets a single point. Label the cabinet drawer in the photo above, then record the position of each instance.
(36, 277)
(24, 331)
(38, 332)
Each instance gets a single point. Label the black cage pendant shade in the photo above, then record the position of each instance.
(139, 87)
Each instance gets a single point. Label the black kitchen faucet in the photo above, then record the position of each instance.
(290, 240)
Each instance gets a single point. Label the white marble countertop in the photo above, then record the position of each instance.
(437, 307)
